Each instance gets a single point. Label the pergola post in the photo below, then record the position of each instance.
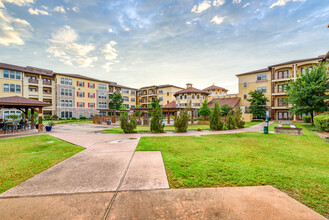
(32, 118)
(175, 115)
(26, 113)
(40, 126)
(192, 117)
(168, 121)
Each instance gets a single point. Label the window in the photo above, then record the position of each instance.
(185, 96)
(167, 93)
(262, 76)
(181, 97)
(160, 91)
(80, 83)
(283, 74)
(160, 98)
(132, 106)
(303, 70)
(196, 104)
(18, 88)
(281, 102)
(62, 91)
(282, 88)
(167, 101)
(66, 81)
(91, 85)
(132, 92)
(102, 105)
(127, 105)
(6, 87)
(245, 84)
(91, 105)
(81, 104)
(125, 98)
(91, 95)
(132, 99)
(245, 96)
(46, 91)
(12, 74)
(193, 96)
(80, 94)
(91, 115)
(80, 114)
(66, 114)
(33, 89)
(102, 95)
(12, 88)
(198, 96)
(101, 86)
(262, 88)
(125, 91)
(5, 73)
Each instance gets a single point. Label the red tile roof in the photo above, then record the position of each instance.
(233, 102)
(191, 90)
(213, 87)
(170, 105)
(21, 101)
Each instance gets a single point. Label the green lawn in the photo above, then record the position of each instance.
(24, 157)
(298, 165)
(194, 127)
(69, 121)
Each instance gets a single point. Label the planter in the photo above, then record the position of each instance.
(48, 128)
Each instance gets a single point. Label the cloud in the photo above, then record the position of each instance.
(246, 5)
(110, 54)
(110, 30)
(16, 2)
(75, 9)
(64, 46)
(188, 22)
(236, 1)
(37, 11)
(217, 20)
(59, 9)
(202, 6)
(218, 3)
(284, 2)
(12, 30)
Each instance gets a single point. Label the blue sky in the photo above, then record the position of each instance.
(139, 43)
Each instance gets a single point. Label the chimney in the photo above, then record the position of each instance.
(188, 85)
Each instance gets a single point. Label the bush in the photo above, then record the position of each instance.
(215, 122)
(68, 119)
(257, 120)
(181, 122)
(307, 118)
(51, 123)
(205, 111)
(225, 109)
(54, 117)
(321, 122)
(13, 116)
(83, 118)
(74, 118)
(238, 118)
(230, 122)
(128, 126)
(47, 117)
(157, 125)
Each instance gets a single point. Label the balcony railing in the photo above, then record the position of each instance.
(47, 83)
(35, 81)
(282, 104)
(47, 92)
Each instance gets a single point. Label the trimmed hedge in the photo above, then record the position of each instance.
(321, 122)
(257, 120)
(307, 118)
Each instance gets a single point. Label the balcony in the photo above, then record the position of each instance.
(49, 83)
(47, 92)
(34, 81)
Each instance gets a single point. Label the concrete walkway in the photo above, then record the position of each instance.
(106, 180)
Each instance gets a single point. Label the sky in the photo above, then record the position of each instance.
(139, 43)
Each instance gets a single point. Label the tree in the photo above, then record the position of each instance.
(205, 110)
(215, 122)
(238, 118)
(225, 109)
(258, 103)
(309, 93)
(137, 113)
(116, 101)
(181, 122)
(230, 121)
(128, 126)
(157, 125)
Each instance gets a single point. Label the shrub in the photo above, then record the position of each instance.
(47, 117)
(181, 122)
(321, 122)
(215, 122)
(238, 118)
(74, 118)
(13, 116)
(157, 125)
(225, 127)
(82, 118)
(51, 123)
(68, 119)
(128, 126)
(307, 118)
(230, 122)
(205, 111)
(225, 109)
(54, 117)
(257, 120)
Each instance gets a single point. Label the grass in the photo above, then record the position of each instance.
(24, 157)
(69, 121)
(118, 130)
(297, 165)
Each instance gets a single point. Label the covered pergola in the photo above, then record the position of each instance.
(104, 112)
(24, 104)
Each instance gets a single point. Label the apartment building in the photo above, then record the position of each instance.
(216, 91)
(164, 93)
(190, 95)
(273, 81)
(80, 96)
(28, 82)
(129, 95)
